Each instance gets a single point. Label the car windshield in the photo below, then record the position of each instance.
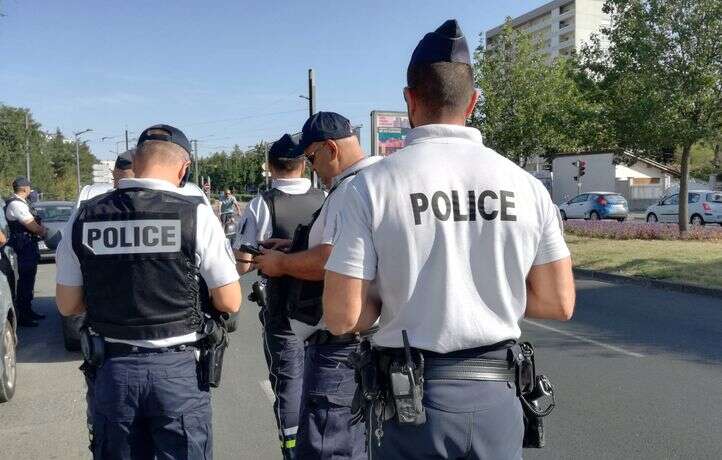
(714, 197)
(55, 213)
(615, 199)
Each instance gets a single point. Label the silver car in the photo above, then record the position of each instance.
(595, 206)
(54, 215)
(8, 317)
(704, 207)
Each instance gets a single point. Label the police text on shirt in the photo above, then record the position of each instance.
(443, 207)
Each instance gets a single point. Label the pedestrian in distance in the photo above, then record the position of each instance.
(135, 259)
(325, 430)
(462, 244)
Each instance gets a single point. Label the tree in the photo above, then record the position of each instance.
(530, 105)
(661, 77)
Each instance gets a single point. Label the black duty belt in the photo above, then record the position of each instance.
(113, 348)
(324, 337)
(481, 369)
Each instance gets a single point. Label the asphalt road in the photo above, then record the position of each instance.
(638, 374)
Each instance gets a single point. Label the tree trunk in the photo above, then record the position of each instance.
(683, 188)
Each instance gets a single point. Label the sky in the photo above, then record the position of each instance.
(225, 72)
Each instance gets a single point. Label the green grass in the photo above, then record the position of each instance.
(690, 262)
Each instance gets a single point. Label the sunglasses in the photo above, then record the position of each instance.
(311, 157)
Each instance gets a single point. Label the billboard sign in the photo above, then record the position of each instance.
(388, 131)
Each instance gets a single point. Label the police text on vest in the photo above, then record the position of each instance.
(132, 236)
(464, 206)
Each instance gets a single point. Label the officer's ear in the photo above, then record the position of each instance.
(411, 104)
(182, 174)
(332, 148)
(472, 103)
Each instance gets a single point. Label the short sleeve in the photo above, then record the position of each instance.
(68, 271)
(353, 252)
(254, 224)
(216, 262)
(552, 246)
(19, 212)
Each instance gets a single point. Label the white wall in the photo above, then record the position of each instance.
(599, 175)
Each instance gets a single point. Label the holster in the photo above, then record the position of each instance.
(92, 347)
(368, 387)
(212, 348)
(532, 389)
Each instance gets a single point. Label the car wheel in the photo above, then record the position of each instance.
(7, 354)
(621, 219)
(652, 219)
(696, 220)
(593, 215)
(564, 215)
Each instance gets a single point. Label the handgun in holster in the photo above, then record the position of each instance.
(407, 386)
(532, 390)
(258, 294)
(92, 347)
(213, 347)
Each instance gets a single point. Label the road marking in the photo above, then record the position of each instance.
(266, 387)
(585, 339)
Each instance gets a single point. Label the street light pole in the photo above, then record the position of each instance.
(77, 155)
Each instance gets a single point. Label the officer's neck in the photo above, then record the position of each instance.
(159, 174)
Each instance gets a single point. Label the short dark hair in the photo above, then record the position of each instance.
(286, 164)
(443, 87)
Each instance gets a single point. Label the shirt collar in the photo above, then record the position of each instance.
(20, 198)
(427, 132)
(153, 184)
(366, 161)
(294, 182)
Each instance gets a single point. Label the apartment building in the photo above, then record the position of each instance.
(560, 26)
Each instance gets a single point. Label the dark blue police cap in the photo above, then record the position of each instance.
(323, 126)
(285, 147)
(445, 44)
(21, 181)
(125, 160)
(165, 133)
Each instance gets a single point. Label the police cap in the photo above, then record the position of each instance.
(285, 147)
(445, 44)
(165, 133)
(323, 126)
(21, 181)
(125, 160)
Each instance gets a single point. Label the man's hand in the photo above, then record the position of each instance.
(279, 244)
(270, 262)
(3, 239)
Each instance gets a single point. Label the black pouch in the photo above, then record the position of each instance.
(304, 302)
(366, 373)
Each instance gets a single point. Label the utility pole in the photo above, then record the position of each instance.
(126, 141)
(311, 111)
(27, 144)
(195, 161)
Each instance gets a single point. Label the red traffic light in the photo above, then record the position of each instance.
(582, 168)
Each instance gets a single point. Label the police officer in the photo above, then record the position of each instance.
(463, 244)
(133, 258)
(275, 214)
(324, 430)
(25, 230)
(123, 168)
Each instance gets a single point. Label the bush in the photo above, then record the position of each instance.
(639, 231)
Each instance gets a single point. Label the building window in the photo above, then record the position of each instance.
(566, 8)
(564, 24)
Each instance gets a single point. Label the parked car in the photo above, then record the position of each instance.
(8, 317)
(704, 207)
(54, 215)
(595, 206)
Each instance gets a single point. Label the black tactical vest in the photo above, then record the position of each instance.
(19, 236)
(137, 249)
(287, 212)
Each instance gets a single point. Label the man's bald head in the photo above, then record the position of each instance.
(160, 160)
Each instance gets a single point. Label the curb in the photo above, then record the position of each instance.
(646, 282)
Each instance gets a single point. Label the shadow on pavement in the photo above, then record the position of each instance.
(643, 320)
(44, 344)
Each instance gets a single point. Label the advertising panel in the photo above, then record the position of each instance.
(388, 131)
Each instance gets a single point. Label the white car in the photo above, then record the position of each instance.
(704, 207)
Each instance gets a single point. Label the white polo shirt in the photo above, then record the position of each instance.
(255, 223)
(214, 256)
(18, 211)
(449, 230)
(324, 229)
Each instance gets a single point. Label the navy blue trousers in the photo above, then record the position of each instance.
(284, 356)
(325, 431)
(150, 406)
(28, 258)
(464, 420)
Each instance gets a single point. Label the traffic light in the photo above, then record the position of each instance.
(582, 168)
